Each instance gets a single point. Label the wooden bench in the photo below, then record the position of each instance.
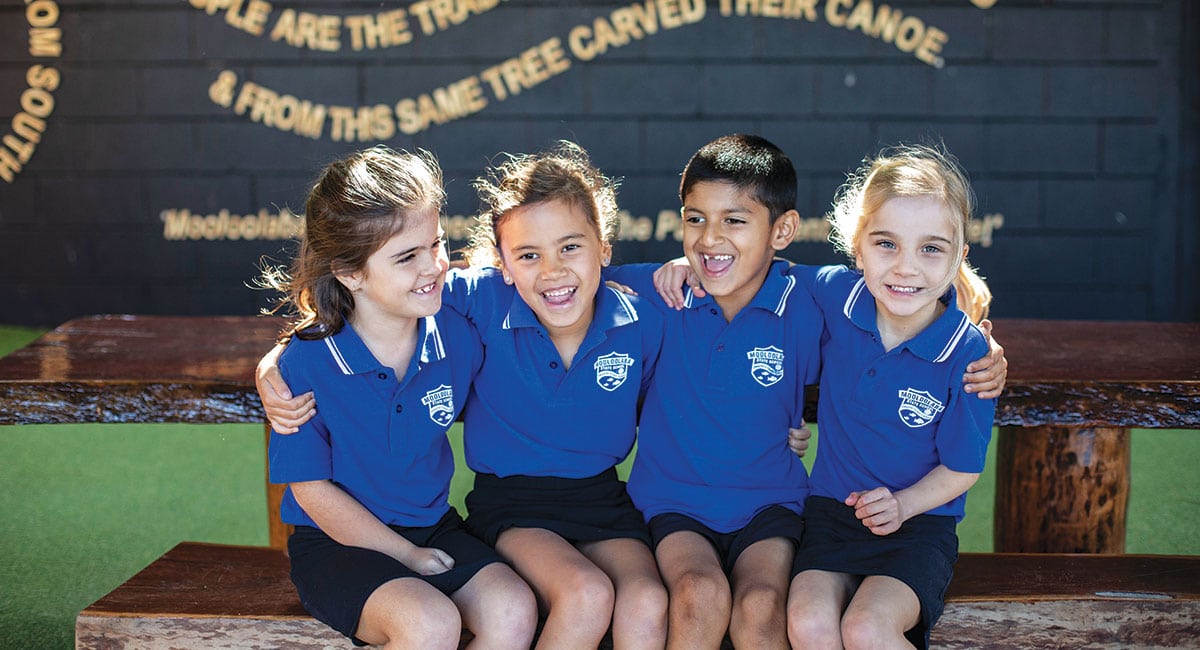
(1073, 388)
(216, 596)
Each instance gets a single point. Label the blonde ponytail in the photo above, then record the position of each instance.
(974, 297)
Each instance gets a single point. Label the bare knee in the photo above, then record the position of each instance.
(701, 591)
(808, 630)
(760, 604)
(862, 630)
(509, 619)
(642, 604)
(759, 614)
(430, 623)
(584, 595)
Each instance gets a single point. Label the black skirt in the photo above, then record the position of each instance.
(577, 509)
(334, 581)
(921, 554)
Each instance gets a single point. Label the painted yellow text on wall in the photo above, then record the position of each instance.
(37, 100)
(497, 83)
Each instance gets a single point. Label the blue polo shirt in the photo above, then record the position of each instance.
(888, 418)
(713, 438)
(381, 440)
(527, 414)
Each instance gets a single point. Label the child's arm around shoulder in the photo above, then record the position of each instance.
(284, 412)
(640, 278)
(471, 291)
(986, 375)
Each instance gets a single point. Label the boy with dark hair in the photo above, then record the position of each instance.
(713, 474)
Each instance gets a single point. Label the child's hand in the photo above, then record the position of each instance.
(879, 510)
(617, 286)
(428, 561)
(284, 412)
(670, 278)
(986, 376)
(798, 439)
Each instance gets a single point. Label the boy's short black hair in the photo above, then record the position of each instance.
(749, 162)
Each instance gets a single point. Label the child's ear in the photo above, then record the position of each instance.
(352, 280)
(783, 231)
(605, 253)
(499, 260)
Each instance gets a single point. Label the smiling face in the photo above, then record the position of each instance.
(552, 253)
(729, 241)
(909, 253)
(402, 281)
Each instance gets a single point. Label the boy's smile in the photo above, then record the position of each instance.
(729, 241)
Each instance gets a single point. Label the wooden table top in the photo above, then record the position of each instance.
(120, 368)
(115, 368)
(1096, 373)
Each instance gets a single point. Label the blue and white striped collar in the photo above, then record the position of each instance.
(935, 343)
(613, 309)
(352, 356)
(772, 296)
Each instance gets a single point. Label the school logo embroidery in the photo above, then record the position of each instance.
(918, 407)
(440, 402)
(612, 370)
(766, 365)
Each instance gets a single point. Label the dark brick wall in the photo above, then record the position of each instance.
(1077, 121)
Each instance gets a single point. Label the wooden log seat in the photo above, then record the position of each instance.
(218, 596)
(1074, 388)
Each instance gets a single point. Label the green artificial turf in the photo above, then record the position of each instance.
(83, 507)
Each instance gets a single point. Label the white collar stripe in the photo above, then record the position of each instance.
(337, 356)
(624, 300)
(432, 331)
(963, 324)
(779, 308)
(853, 297)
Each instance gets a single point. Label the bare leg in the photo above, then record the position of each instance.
(760, 589)
(577, 594)
(640, 612)
(499, 609)
(409, 613)
(879, 614)
(816, 601)
(700, 601)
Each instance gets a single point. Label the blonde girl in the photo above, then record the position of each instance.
(900, 440)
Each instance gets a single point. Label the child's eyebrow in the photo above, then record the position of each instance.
(561, 240)
(403, 252)
(892, 235)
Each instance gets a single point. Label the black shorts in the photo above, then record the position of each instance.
(577, 509)
(921, 554)
(772, 521)
(334, 581)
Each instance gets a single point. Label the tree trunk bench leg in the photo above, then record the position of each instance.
(1061, 489)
